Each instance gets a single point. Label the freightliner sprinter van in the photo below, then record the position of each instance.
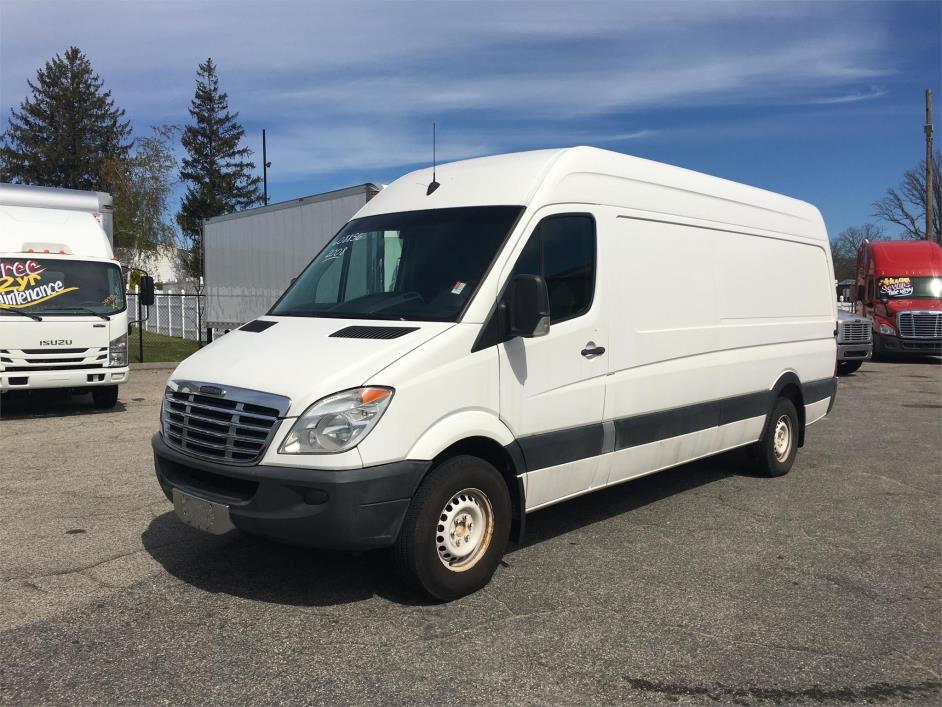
(507, 334)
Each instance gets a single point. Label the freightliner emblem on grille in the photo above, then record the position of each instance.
(212, 390)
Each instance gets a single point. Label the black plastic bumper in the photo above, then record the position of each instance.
(354, 509)
(898, 346)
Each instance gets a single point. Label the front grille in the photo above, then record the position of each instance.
(855, 331)
(920, 325)
(52, 359)
(235, 428)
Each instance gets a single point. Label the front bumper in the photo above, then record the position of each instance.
(352, 509)
(82, 378)
(899, 346)
(854, 352)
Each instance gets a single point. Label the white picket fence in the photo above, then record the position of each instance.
(172, 314)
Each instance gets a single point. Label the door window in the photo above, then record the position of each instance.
(562, 251)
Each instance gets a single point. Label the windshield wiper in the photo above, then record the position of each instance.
(22, 313)
(85, 310)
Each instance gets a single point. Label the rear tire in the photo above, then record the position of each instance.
(847, 367)
(456, 529)
(105, 397)
(775, 453)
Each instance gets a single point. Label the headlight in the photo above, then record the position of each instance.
(118, 352)
(887, 329)
(338, 422)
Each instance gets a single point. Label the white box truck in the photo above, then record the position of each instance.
(251, 256)
(63, 315)
(508, 335)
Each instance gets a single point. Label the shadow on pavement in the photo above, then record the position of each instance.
(53, 402)
(261, 570)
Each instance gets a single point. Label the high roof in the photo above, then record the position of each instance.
(589, 175)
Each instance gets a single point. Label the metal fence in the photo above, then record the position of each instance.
(172, 314)
(169, 330)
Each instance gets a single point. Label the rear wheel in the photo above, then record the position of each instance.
(846, 367)
(775, 453)
(456, 529)
(105, 397)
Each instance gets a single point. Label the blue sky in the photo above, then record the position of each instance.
(822, 101)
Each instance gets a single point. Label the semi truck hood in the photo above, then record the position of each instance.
(923, 304)
(305, 358)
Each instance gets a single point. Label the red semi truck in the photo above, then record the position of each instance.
(899, 285)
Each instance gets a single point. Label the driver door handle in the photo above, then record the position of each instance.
(591, 350)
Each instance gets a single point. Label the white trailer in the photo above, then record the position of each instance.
(252, 256)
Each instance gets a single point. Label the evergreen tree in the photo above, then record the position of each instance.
(217, 170)
(64, 131)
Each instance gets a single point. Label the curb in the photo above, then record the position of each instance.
(165, 366)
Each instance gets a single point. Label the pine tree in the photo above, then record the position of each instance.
(64, 131)
(217, 171)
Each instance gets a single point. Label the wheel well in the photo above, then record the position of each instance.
(792, 391)
(498, 456)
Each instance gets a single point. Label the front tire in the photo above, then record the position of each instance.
(456, 529)
(847, 367)
(105, 397)
(775, 453)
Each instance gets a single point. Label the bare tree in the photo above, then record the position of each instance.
(844, 247)
(142, 184)
(905, 205)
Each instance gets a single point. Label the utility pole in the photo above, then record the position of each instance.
(265, 165)
(930, 197)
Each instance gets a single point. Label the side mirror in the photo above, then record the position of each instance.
(146, 290)
(528, 306)
(884, 299)
(860, 292)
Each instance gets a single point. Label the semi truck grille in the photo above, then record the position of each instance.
(234, 428)
(51, 359)
(852, 332)
(920, 325)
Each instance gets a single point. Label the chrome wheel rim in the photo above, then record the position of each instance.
(782, 440)
(464, 530)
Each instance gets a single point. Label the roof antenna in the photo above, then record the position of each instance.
(433, 185)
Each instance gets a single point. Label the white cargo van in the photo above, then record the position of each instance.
(63, 316)
(520, 330)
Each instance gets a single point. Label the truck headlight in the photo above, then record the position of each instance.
(338, 422)
(118, 352)
(887, 329)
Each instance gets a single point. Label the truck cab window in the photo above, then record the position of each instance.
(562, 251)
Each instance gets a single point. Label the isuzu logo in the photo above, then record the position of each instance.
(55, 342)
(212, 390)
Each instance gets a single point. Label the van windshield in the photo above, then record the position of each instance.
(61, 287)
(906, 287)
(412, 266)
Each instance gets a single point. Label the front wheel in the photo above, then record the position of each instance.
(847, 367)
(775, 453)
(105, 397)
(456, 529)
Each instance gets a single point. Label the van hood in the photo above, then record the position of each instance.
(305, 358)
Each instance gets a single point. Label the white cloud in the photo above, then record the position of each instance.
(355, 85)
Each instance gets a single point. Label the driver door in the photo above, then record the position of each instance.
(552, 388)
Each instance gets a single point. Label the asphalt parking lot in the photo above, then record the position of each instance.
(698, 585)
